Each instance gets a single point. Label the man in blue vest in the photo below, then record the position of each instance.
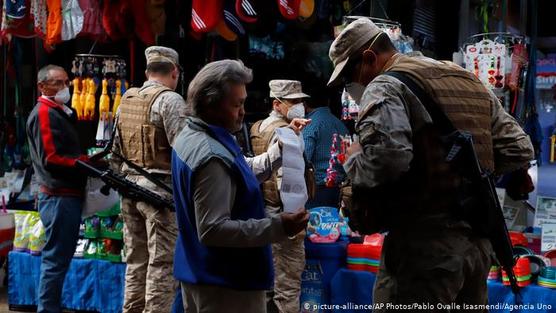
(223, 257)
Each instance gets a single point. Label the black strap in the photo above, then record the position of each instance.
(438, 116)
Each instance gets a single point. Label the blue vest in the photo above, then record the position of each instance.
(195, 263)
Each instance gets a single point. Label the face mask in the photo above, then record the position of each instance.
(296, 111)
(356, 91)
(63, 96)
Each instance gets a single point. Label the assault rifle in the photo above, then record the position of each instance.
(478, 201)
(479, 205)
(125, 187)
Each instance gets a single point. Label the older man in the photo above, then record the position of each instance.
(55, 148)
(401, 179)
(223, 257)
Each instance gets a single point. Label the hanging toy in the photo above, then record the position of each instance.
(90, 100)
(83, 97)
(343, 148)
(331, 173)
(117, 98)
(520, 59)
(76, 98)
(345, 106)
(104, 103)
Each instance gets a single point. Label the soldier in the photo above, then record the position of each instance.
(149, 118)
(289, 254)
(401, 180)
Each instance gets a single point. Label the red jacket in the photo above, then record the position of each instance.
(54, 146)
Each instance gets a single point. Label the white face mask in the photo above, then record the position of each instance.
(356, 91)
(63, 96)
(296, 111)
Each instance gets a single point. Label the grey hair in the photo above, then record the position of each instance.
(213, 83)
(44, 73)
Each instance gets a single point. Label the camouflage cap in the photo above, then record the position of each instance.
(349, 41)
(161, 54)
(286, 89)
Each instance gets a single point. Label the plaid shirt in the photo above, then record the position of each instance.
(318, 139)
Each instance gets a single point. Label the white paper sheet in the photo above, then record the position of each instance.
(293, 190)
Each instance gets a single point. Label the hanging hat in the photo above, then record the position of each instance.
(306, 8)
(289, 8)
(286, 89)
(348, 42)
(205, 15)
(232, 21)
(16, 9)
(225, 32)
(245, 10)
(161, 54)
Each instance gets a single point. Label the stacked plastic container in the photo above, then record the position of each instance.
(547, 277)
(365, 256)
(522, 271)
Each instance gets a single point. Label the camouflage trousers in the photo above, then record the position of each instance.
(149, 237)
(289, 262)
(442, 269)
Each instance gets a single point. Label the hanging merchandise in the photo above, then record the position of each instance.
(157, 16)
(306, 8)
(16, 20)
(225, 32)
(92, 19)
(117, 19)
(72, 22)
(403, 43)
(117, 97)
(15, 9)
(104, 103)
(142, 28)
(92, 72)
(76, 98)
(337, 158)
(520, 59)
(231, 19)
(497, 59)
(500, 61)
(289, 8)
(487, 59)
(54, 23)
(205, 15)
(90, 101)
(245, 10)
(350, 108)
(331, 173)
(39, 13)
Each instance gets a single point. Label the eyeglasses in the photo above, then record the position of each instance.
(57, 82)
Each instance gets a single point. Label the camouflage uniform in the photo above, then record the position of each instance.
(428, 255)
(149, 232)
(433, 260)
(289, 254)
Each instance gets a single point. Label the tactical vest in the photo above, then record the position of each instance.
(142, 142)
(260, 142)
(461, 95)
(432, 186)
